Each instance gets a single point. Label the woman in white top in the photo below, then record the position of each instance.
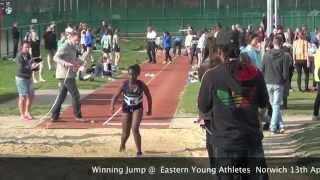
(116, 48)
(82, 40)
(106, 44)
(188, 43)
(151, 45)
(200, 47)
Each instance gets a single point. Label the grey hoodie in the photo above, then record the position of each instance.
(275, 66)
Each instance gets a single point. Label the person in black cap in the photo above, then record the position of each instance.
(234, 91)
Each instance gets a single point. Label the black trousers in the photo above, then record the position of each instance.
(177, 46)
(168, 57)
(317, 102)
(302, 64)
(291, 71)
(151, 51)
(209, 144)
(15, 47)
(287, 87)
(71, 87)
(193, 53)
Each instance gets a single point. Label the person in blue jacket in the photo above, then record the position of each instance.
(177, 44)
(167, 47)
(88, 41)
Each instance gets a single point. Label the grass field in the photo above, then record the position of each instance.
(299, 103)
(129, 55)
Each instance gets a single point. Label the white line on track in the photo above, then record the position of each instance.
(117, 112)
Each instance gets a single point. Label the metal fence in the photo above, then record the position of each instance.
(133, 16)
(93, 11)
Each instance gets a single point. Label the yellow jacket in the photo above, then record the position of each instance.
(316, 66)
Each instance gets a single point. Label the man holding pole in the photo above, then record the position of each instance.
(67, 65)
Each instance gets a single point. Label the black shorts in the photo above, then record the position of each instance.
(84, 47)
(117, 48)
(106, 50)
(37, 59)
(89, 45)
(131, 109)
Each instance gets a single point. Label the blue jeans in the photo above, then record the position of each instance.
(98, 71)
(249, 158)
(275, 92)
(24, 86)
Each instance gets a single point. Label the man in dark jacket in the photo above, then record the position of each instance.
(234, 91)
(50, 44)
(211, 60)
(275, 68)
(15, 37)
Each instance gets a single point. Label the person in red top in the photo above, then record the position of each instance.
(261, 34)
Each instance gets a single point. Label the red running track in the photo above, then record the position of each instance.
(165, 87)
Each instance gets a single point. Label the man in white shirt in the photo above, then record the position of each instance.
(151, 46)
(200, 47)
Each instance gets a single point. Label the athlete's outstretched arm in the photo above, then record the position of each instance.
(149, 98)
(114, 99)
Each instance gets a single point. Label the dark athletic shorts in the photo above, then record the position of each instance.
(116, 48)
(106, 50)
(130, 109)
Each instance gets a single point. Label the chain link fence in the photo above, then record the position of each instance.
(133, 16)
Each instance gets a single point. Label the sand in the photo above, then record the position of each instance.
(20, 141)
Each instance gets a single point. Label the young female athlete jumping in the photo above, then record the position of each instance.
(132, 107)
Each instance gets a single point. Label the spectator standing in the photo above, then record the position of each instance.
(253, 51)
(177, 44)
(151, 45)
(15, 37)
(194, 44)
(116, 48)
(234, 91)
(50, 44)
(275, 68)
(106, 43)
(167, 47)
(201, 46)
(287, 47)
(25, 66)
(317, 79)
(301, 59)
(188, 43)
(261, 34)
(61, 40)
(36, 57)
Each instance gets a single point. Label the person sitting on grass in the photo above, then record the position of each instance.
(132, 106)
